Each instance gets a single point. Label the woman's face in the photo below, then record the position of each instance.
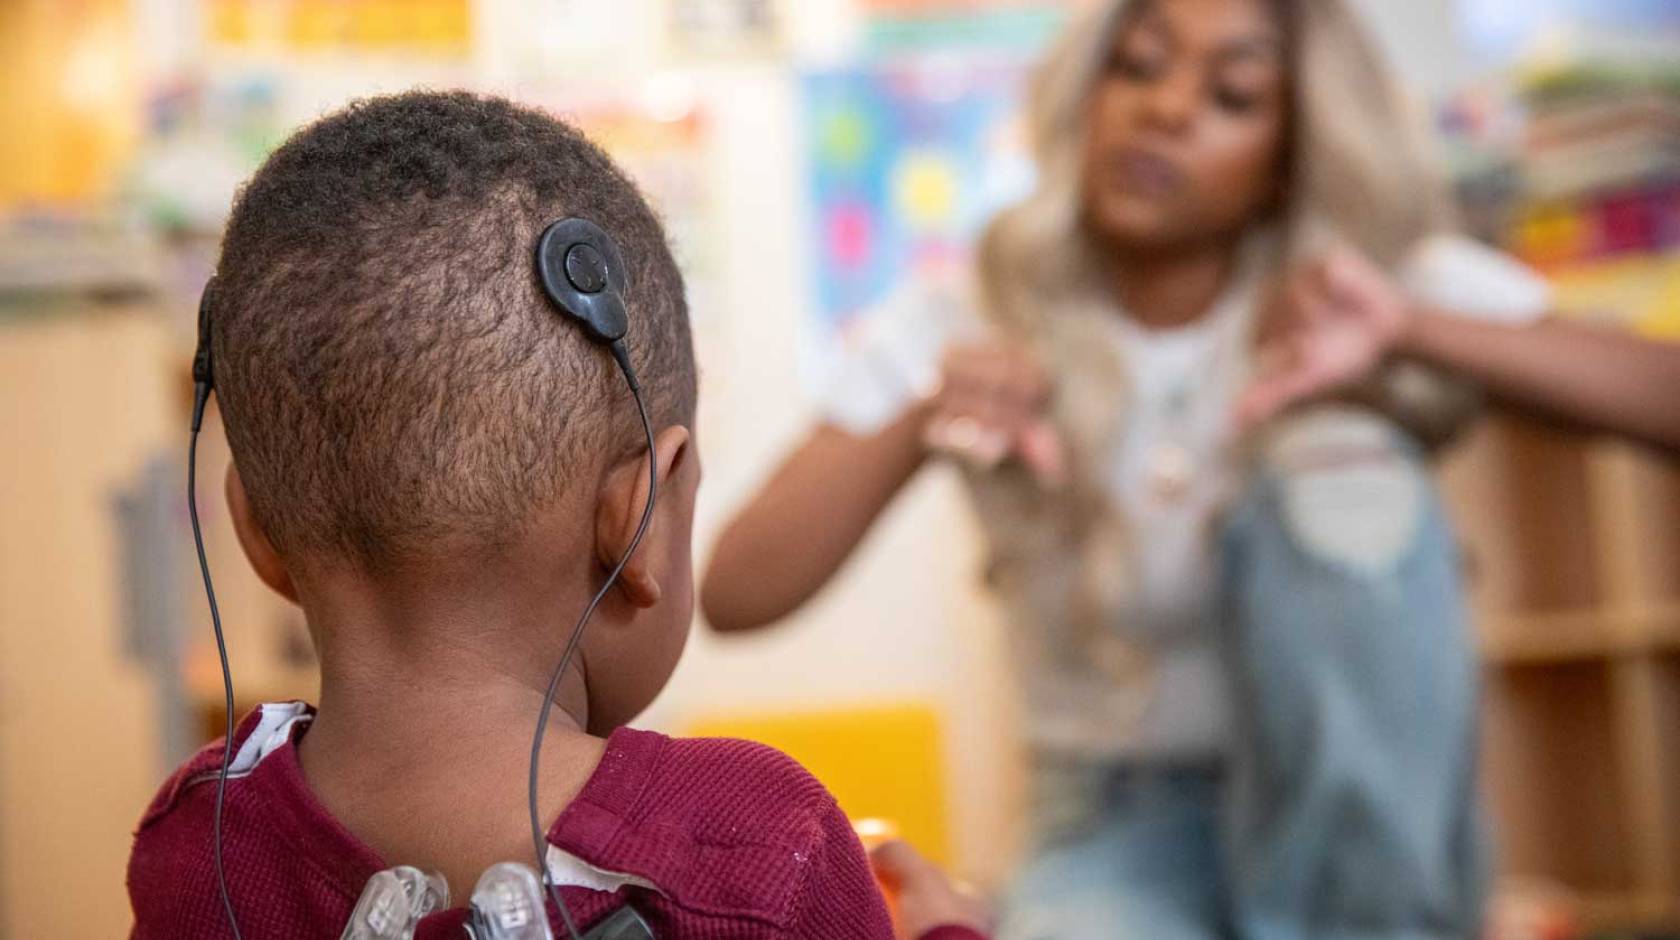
(1187, 123)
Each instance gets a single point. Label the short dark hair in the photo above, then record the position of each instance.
(393, 380)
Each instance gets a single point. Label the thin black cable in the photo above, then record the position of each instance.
(538, 839)
(227, 674)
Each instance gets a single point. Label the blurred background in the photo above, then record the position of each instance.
(808, 156)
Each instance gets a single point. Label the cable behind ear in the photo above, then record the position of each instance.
(582, 272)
(204, 357)
(204, 380)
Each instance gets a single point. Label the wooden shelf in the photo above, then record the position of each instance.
(1573, 560)
(1609, 911)
(1569, 636)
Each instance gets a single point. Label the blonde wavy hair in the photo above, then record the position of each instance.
(1357, 173)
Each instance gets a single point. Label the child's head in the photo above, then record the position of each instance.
(404, 405)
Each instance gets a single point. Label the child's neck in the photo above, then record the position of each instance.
(428, 701)
(1174, 287)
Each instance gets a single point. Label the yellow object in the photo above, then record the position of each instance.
(926, 187)
(875, 832)
(883, 763)
(441, 27)
(1551, 232)
(69, 105)
(1642, 292)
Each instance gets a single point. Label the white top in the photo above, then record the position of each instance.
(1171, 472)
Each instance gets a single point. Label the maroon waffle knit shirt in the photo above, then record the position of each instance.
(708, 839)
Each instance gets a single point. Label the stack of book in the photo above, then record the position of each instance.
(1586, 188)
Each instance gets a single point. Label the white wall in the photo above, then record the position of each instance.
(1421, 39)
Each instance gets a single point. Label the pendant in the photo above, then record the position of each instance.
(1170, 468)
(1117, 658)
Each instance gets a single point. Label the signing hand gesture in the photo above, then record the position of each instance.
(1328, 324)
(925, 897)
(991, 406)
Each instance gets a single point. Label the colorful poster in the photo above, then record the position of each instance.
(906, 166)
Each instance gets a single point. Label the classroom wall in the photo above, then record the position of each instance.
(1421, 38)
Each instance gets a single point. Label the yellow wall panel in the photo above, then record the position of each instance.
(879, 762)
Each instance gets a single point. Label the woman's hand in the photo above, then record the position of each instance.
(926, 898)
(991, 406)
(1327, 325)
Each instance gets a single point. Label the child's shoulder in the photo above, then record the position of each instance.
(749, 764)
(750, 793)
(259, 734)
(173, 842)
(729, 827)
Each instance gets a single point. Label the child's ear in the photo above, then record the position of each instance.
(619, 511)
(259, 551)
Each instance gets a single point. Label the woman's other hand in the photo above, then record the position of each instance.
(1327, 324)
(991, 406)
(926, 898)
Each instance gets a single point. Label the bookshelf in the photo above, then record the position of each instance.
(1573, 552)
(1573, 543)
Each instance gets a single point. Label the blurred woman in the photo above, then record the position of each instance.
(1249, 688)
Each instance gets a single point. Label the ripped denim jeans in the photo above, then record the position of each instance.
(1352, 805)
